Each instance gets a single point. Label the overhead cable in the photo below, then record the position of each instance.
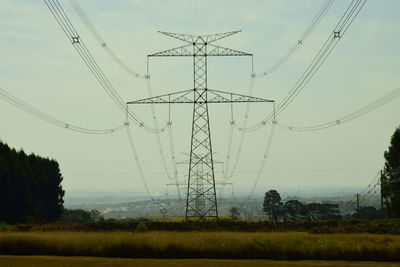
(105, 46)
(338, 32)
(77, 42)
(301, 40)
(349, 117)
(138, 163)
(334, 37)
(263, 161)
(6, 96)
(171, 142)
(100, 40)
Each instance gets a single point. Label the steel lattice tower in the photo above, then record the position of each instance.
(201, 198)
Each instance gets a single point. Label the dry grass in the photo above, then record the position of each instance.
(57, 261)
(217, 245)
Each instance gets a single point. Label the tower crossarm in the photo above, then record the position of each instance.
(218, 36)
(190, 39)
(180, 51)
(186, 97)
(215, 50)
(215, 96)
(185, 50)
(172, 98)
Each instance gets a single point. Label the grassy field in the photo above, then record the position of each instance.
(216, 245)
(57, 261)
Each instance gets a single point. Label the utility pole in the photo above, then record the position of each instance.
(358, 206)
(201, 198)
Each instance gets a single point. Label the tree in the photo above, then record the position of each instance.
(272, 202)
(30, 187)
(234, 211)
(368, 213)
(391, 177)
(81, 216)
(294, 210)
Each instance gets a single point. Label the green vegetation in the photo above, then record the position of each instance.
(368, 213)
(30, 187)
(80, 216)
(228, 245)
(141, 227)
(391, 177)
(234, 212)
(272, 202)
(294, 210)
(382, 226)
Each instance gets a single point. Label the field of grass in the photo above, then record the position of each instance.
(382, 226)
(215, 245)
(57, 261)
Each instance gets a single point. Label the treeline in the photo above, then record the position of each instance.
(294, 210)
(30, 187)
(81, 216)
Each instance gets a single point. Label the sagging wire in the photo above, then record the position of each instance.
(77, 42)
(6, 96)
(301, 40)
(101, 41)
(338, 32)
(349, 117)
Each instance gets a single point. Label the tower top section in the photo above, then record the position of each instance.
(192, 39)
(198, 43)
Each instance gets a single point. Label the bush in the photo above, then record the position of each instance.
(6, 227)
(141, 227)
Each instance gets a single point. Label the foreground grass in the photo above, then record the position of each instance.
(217, 245)
(57, 261)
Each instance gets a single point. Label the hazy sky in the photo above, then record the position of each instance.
(40, 66)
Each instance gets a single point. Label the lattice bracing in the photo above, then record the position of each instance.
(224, 51)
(175, 52)
(189, 38)
(213, 97)
(201, 198)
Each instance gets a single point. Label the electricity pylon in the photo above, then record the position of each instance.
(201, 198)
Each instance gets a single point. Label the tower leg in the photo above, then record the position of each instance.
(201, 198)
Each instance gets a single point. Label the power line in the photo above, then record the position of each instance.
(242, 172)
(139, 167)
(342, 26)
(349, 117)
(6, 96)
(159, 143)
(303, 37)
(67, 27)
(105, 46)
(77, 42)
(263, 161)
(300, 41)
(99, 38)
(338, 32)
(241, 139)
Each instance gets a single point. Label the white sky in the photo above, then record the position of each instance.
(39, 66)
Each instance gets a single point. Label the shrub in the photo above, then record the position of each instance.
(141, 227)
